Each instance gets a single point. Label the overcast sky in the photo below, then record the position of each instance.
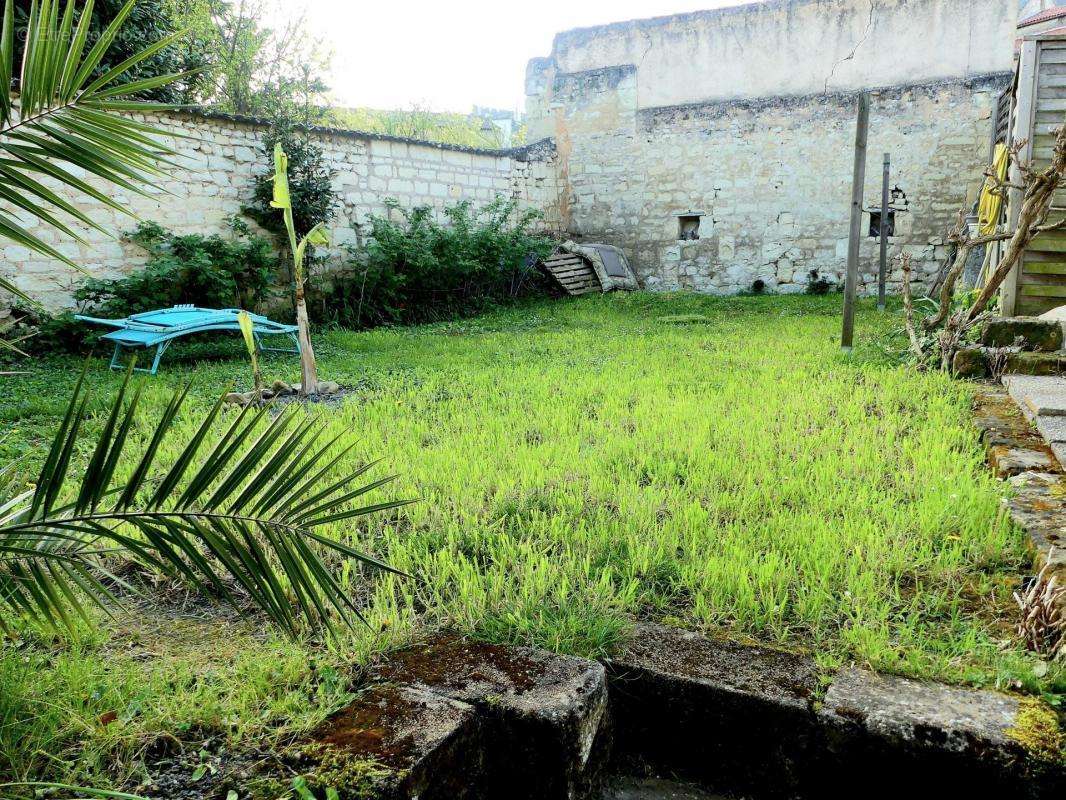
(452, 55)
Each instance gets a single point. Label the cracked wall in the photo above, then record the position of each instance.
(746, 117)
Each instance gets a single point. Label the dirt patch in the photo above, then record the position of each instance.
(335, 399)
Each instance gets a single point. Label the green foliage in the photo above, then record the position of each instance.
(419, 268)
(420, 123)
(233, 515)
(310, 182)
(148, 22)
(254, 69)
(211, 271)
(64, 121)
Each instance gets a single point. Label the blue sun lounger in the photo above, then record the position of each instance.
(159, 328)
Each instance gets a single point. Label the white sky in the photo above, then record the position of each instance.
(450, 55)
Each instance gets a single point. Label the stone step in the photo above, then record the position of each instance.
(396, 742)
(1035, 363)
(978, 362)
(1038, 396)
(690, 718)
(1030, 333)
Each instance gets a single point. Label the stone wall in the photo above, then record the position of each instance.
(222, 155)
(744, 118)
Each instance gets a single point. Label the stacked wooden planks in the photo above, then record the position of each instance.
(572, 272)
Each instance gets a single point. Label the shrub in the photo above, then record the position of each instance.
(203, 270)
(419, 269)
(310, 183)
(210, 271)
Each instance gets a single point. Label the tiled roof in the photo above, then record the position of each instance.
(1043, 16)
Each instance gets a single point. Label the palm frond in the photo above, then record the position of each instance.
(237, 521)
(63, 122)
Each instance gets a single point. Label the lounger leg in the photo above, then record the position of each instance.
(294, 338)
(116, 363)
(159, 350)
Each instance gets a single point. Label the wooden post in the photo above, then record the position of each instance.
(882, 268)
(851, 279)
(1024, 127)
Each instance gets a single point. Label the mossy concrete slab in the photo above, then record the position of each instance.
(396, 743)
(903, 731)
(1038, 506)
(1007, 461)
(1030, 333)
(970, 362)
(544, 715)
(700, 708)
(1034, 363)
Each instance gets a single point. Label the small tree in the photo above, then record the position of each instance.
(1038, 190)
(316, 236)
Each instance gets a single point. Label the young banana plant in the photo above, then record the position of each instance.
(244, 319)
(316, 236)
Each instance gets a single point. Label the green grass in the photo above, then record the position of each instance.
(581, 464)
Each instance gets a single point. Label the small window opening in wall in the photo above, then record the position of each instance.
(688, 227)
(875, 224)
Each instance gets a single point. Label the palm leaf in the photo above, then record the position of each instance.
(63, 116)
(241, 525)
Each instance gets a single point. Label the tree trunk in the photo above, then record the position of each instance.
(308, 367)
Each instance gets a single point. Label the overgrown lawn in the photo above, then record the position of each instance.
(714, 463)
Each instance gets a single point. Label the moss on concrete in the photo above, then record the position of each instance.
(1037, 729)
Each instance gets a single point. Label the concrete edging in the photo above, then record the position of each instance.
(471, 720)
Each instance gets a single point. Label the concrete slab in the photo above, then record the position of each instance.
(904, 730)
(1053, 429)
(1007, 461)
(1038, 395)
(1058, 315)
(1059, 449)
(544, 714)
(397, 742)
(696, 707)
(905, 710)
(1030, 333)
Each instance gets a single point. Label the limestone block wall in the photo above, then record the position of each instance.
(220, 156)
(770, 182)
(744, 119)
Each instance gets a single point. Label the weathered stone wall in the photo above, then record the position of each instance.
(221, 157)
(745, 117)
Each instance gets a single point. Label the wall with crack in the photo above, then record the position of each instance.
(743, 119)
